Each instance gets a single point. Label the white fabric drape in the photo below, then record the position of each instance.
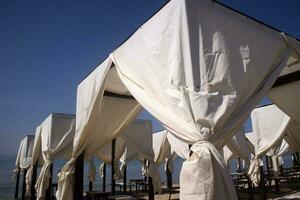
(54, 138)
(98, 118)
(24, 155)
(269, 127)
(287, 97)
(238, 146)
(201, 77)
(275, 153)
(178, 147)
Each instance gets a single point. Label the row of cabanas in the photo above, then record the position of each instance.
(200, 69)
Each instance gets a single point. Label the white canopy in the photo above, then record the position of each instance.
(287, 97)
(269, 127)
(24, 155)
(196, 66)
(137, 138)
(53, 140)
(237, 147)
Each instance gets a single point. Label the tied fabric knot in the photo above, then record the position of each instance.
(122, 167)
(28, 180)
(14, 174)
(92, 170)
(66, 180)
(101, 170)
(253, 171)
(206, 170)
(150, 169)
(42, 182)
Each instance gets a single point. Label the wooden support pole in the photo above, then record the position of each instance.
(239, 163)
(90, 186)
(151, 189)
(294, 161)
(104, 178)
(24, 184)
(169, 176)
(263, 194)
(78, 180)
(298, 160)
(268, 167)
(190, 146)
(113, 182)
(49, 190)
(17, 184)
(150, 186)
(33, 181)
(124, 178)
(250, 189)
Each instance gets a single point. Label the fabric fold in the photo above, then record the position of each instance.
(42, 182)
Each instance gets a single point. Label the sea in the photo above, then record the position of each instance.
(7, 186)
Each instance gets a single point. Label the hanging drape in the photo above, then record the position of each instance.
(197, 67)
(100, 116)
(53, 140)
(237, 147)
(24, 155)
(269, 125)
(200, 73)
(287, 97)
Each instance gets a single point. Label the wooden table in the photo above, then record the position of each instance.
(137, 182)
(97, 195)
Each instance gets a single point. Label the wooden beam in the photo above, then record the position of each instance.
(104, 178)
(113, 182)
(17, 184)
(286, 79)
(239, 165)
(49, 189)
(150, 186)
(78, 187)
(33, 181)
(169, 176)
(122, 96)
(124, 178)
(90, 186)
(262, 194)
(24, 184)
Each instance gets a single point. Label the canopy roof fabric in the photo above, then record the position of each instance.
(53, 140)
(137, 138)
(197, 67)
(270, 125)
(237, 147)
(24, 155)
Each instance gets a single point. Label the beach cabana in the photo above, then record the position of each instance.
(270, 124)
(137, 137)
(53, 140)
(196, 66)
(237, 147)
(23, 162)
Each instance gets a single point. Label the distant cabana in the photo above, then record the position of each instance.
(23, 162)
(270, 124)
(237, 148)
(196, 66)
(137, 138)
(53, 140)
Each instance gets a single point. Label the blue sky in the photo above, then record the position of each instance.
(48, 47)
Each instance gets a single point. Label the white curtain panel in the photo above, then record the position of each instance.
(24, 155)
(178, 147)
(197, 67)
(53, 140)
(238, 146)
(287, 97)
(276, 153)
(201, 70)
(269, 125)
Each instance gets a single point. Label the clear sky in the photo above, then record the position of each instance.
(48, 47)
